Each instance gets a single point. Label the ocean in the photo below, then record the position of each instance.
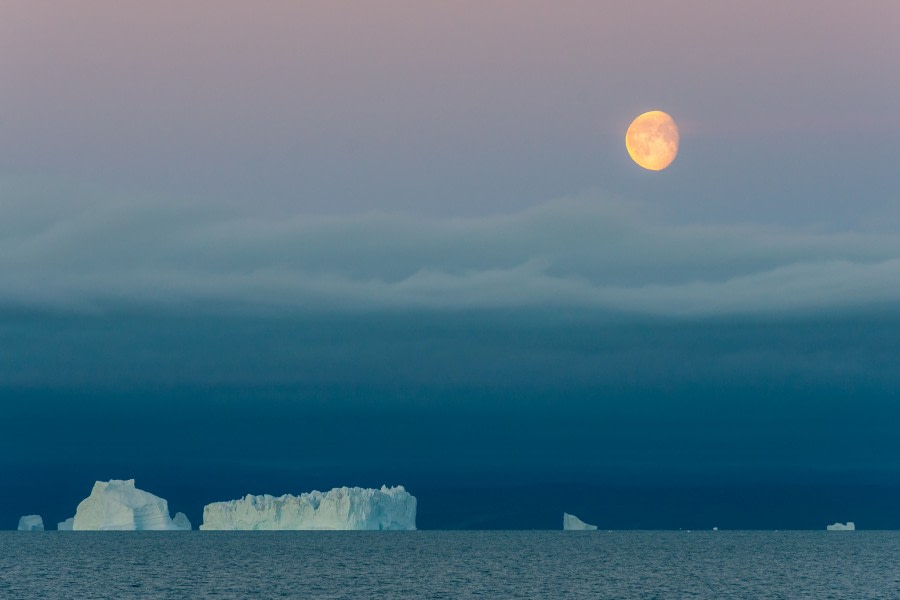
(452, 564)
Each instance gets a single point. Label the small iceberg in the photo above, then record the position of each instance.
(573, 523)
(31, 523)
(849, 526)
(65, 525)
(181, 521)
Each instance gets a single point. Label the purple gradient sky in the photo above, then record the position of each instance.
(789, 111)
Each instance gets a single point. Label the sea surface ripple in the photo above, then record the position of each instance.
(451, 564)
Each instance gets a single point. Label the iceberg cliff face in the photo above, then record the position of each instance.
(31, 523)
(850, 526)
(342, 508)
(117, 505)
(573, 523)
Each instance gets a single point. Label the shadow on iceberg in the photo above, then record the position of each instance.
(117, 505)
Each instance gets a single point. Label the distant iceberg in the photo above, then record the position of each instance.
(31, 523)
(340, 509)
(65, 525)
(849, 526)
(181, 521)
(573, 523)
(117, 505)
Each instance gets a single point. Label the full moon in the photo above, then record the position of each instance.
(652, 140)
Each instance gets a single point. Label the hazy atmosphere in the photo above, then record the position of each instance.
(276, 246)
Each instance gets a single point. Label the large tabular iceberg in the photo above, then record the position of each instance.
(117, 505)
(31, 523)
(573, 523)
(850, 526)
(342, 508)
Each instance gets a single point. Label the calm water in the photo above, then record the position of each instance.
(434, 564)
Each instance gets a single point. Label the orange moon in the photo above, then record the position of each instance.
(652, 140)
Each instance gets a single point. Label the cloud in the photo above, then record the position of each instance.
(586, 252)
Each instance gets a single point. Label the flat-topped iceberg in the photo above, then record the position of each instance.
(117, 505)
(849, 526)
(340, 509)
(573, 523)
(31, 523)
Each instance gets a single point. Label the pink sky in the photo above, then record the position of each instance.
(393, 57)
(130, 84)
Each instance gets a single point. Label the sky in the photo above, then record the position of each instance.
(274, 246)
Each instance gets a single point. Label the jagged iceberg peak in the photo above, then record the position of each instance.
(117, 505)
(31, 523)
(342, 508)
(573, 523)
(849, 526)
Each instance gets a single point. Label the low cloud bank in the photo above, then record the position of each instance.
(586, 252)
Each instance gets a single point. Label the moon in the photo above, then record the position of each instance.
(652, 140)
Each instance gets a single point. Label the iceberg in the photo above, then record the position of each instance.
(181, 521)
(850, 526)
(340, 509)
(117, 505)
(65, 525)
(31, 523)
(573, 523)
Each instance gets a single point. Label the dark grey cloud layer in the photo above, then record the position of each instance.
(585, 252)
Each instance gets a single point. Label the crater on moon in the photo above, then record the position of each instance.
(652, 140)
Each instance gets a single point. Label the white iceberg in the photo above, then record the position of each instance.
(849, 526)
(65, 525)
(573, 523)
(181, 521)
(340, 509)
(31, 523)
(117, 505)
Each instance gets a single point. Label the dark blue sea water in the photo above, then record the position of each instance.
(458, 564)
